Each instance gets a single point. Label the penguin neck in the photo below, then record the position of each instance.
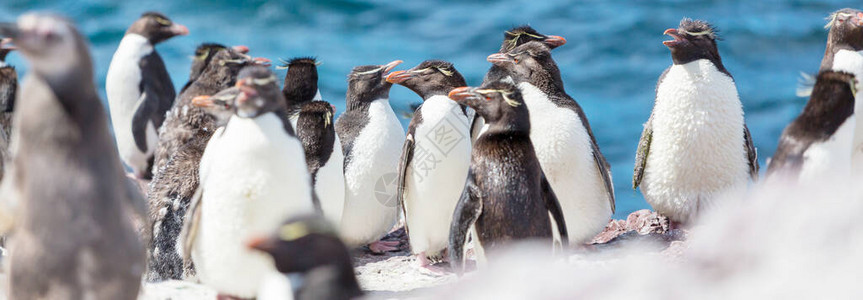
(361, 105)
(834, 45)
(548, 83)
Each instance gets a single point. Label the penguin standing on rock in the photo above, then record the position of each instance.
(309, 246)
(140, 90)
(72, 239)
(372, 139)
(8, 90)
(506, 197)
(435, 157)
(322, 146)
(697, 106)
(564, 142)
(512, 38)
(818, 143)
(254, 179)
(184, 137)
(845, 54)
(324, 159)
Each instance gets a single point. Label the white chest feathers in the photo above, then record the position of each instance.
(697, 151)
(370, 177)
(564, 149)
(255, 177)
(122, 86)
(852, 62)
(435, 178)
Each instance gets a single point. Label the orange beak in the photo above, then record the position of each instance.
(460, 93)
(202, 101)
(398, 77)
(555, 40)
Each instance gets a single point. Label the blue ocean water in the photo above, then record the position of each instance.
(610, 64)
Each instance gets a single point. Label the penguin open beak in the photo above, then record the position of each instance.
(262, 243)
(202, 101)
(860, 19)
(460, 94)
(399, 77)
(390, 66)
(555, 40)
(179, 29)
(674, 34)
(500, 59)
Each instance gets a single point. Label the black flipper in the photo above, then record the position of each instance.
(751, 153)
(553, 207)
(157, 97)
(407, 156)
(641, 153)
(466, 213)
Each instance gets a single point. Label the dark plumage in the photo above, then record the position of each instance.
(831, 105)
(694, 40)
(506, 197)
(301, 82)
(8, 90)
(316, 131)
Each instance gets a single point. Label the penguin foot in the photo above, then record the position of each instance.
(429, 265)
(384, 246)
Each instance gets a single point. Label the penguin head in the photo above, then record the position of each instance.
(520, 35)
(531, 62)
(203, 54)
(301, 80)
(52, 45)
(156, 27)
(221, 105)
(258, 92)
(499, 103)
(846, 28)
(368, 83)
(223, 65)
(429, 78)
(693, 40)
(5, 48)
(303, 243)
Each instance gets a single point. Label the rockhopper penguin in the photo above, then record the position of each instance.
(372, 139)
(564, 142)
(817, 144)
(435, 157)
(300, 90)
(506, 196)
(845, 54)
(72, 239)
(697, 106)
(324, 158)
(140, 90)
(309, 246)
(512, 38)
(251, 180)
(184, 136)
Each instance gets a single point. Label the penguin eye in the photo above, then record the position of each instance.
(515, 60)
(487, 98)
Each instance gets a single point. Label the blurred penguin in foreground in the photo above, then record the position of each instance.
(309, 247)
(72, 238)
(778, 242)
